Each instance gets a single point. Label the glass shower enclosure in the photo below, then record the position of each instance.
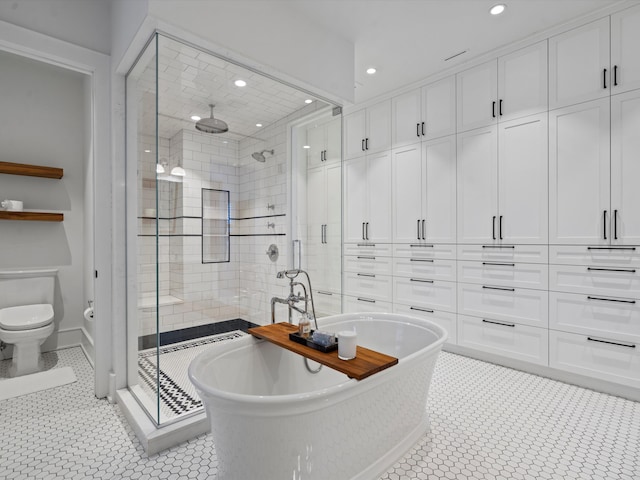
(204, 209)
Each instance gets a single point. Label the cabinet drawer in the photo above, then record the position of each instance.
(511, 305)
(520, 342)
(368, 264)
(526, 275)
(595, 358)
(607, 317)
(327, 303)
(425, 250)
(368, 285)
(614, 281)
(594, 255)
(446, 320)
(430, 268)
(363, 304)
(374, 249)
(432, 294)
(504, 253)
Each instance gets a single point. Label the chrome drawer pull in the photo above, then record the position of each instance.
(422, 309)
(499, 264)
(420, 245)
(366, 244)
(320, 292)
(612, 248)
(625, 270)
(601, 299)
(499, 323)
(420, 280)
(499, 288)
(370, 275)
(498, 246)
(628, 345)
(421, 260)
(366, 300)
(366, 258)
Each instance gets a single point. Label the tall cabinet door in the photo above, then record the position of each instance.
(522, 179)
(316, 143)
(333, 237)
(439, 108)
(522, 82)
(407, 118)
(378, 130)
(316, 204)
(333, 144)
(625, 168)
(625, 61)
(477, 186)
(379, 197)
(408, 185)
(354, 134)
(355, 199)
(476, 93)
(579, 173)
(440, 192)
(579, 64)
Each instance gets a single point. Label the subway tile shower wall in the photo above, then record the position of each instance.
(193, 293)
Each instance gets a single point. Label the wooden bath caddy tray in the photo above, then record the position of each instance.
(366, 363)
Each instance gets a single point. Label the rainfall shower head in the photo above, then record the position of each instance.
(212, 125)
(259, 156)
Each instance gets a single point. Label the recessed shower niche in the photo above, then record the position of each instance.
(204, 207)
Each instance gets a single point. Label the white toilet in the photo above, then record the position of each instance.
(26, 316)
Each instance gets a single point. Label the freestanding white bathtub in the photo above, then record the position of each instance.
(273, 420)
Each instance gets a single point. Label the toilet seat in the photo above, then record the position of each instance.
(26, 317)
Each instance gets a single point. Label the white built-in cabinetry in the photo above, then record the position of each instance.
(519, 232)
(368, 130)
(324, 142)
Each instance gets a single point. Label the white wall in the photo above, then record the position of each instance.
(43, 119)
(82, 22)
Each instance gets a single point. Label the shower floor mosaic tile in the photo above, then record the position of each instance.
(488, 422)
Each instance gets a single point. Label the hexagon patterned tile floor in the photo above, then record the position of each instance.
(487, 422)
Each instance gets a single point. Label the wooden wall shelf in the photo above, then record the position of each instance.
(30, 170)
(32, 216)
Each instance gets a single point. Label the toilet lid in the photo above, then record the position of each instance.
(26, 317)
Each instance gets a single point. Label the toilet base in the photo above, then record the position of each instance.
(26, 359)
(26, 349)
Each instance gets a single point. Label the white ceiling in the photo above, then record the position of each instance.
(408, 40)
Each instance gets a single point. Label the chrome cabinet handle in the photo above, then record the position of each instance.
(500, 108)
(417, 129)
(366, 144)
(370, 275)
(615, 75)
(363, 144)
(423, 129)
(497, 264)
(498, 246)
(628, 345)
(615, 300)
(500, 227)
(612, 248)
(499, 323)
(493, 227)
(424, 236)
(365, 258)
(363, 237)
(367, 231)
(368, 300)
(615, 224)
(604, 78)
(415, 245)
(419, 280)
(324, 293)
(418, 229)
(430, 260)
(493, 109)
(604, 225)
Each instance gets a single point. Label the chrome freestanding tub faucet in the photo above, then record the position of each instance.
(293, 299)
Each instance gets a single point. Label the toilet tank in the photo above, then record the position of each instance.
(26, 287)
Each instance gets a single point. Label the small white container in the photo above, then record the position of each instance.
(347, 343)
(12, 205)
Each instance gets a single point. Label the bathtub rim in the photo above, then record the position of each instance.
(321, 398)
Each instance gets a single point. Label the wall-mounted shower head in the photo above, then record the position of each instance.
(259, 156)
(212, 125)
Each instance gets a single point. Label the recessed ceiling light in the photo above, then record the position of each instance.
(258, 124)
(306, 146)
(497, 9)
(308, 100)
(240, 83)
(147, 151)
(195, 118)
(371, 70)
